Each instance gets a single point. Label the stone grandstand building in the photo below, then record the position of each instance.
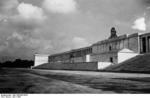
(114, 50)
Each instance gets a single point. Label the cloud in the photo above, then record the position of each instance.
(28, 18)
(39, 45)
(3, 46)
(29, 11)
(60, 32)
(79, 42)
(6, 5)
(60, 6)
(15, 35)
(139, 24)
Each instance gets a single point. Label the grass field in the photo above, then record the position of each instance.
(56, 81)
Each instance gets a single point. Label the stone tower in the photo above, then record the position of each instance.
(113, 33)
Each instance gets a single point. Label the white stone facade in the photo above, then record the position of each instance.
(40, 59)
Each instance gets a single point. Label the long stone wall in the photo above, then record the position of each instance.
(105, 57)
(130, 42)
(77, 55)
(91, 66)
(106, 51)
(103, 51)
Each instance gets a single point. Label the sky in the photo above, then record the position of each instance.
(52, 26)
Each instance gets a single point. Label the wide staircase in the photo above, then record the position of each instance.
(140, 63)
(89, 66)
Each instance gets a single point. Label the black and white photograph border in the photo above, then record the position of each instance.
(74, 47)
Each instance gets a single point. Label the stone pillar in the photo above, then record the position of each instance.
(88, 58)
(146, 44)
(141, 45)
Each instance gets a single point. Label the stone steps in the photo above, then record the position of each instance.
(140, 63)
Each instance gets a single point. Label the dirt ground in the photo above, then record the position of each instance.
(56, 81)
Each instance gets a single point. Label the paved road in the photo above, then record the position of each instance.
(56, 81)
(95, 73)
